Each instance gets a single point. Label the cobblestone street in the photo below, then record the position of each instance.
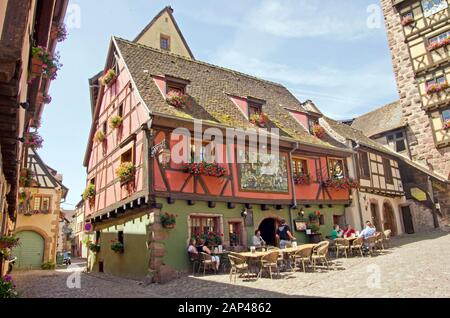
(415, 266)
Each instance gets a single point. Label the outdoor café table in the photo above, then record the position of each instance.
(254, 257)
(289, 251)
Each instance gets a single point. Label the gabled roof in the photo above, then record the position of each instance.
(169, 11)
(381, 120)
(358, 137)
(210, 88)
(43, 177)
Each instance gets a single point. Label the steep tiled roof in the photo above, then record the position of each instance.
(381, 120)
(210, 88)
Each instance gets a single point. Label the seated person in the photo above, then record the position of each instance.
(368, 231)
(257, 240)
(202, 248)
(349, 232)
(336, 232)
(192, 249)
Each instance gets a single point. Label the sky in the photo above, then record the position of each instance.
(334, 53)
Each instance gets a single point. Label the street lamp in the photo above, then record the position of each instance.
(162, 153)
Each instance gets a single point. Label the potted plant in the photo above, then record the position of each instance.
(168, 220)
(318, 131)
(7, 288)
(126, 172)
(342, 184)
(109, 77)
(100, 136)
(44, 63)
(204, 168)
(438, 44)
(314, 216)
(115, 122)
(302, 178)
(436, 88)
(26, 177)
(117, 247)
(210, 238)
(259, 119)
(314, 228)
(178, 100)
(33, 140)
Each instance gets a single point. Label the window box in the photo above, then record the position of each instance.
(438, 44)
(115, 122)
(109, 78)
(302, 179)
(33, 140)
(407, 19)
(205, 169)
(126, 172)
(259, 119)
(341, 184)
(168, 220)
(117, 247)
(44, 63)
(318, 131)
(100, 136)
(26, 177)
(436, 88)
(178, 100)
(447, 125)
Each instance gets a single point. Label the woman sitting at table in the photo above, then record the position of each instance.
(192, 249)
(202, 248)
(336, 232)
(349, 232)
(258, 241)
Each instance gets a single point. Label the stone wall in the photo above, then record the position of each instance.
(419, 131)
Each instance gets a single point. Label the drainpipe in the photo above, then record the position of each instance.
(433, 202)
(357, 191)
(294, 194)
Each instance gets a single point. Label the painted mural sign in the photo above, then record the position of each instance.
(431, 7)
(263, 172)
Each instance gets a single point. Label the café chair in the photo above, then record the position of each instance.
(387, 237)
(268, 262)
(320, 254)
(302, 256)
(194, 259)
(342, 245)
(357, 246)
(238, 265)
(206, 262)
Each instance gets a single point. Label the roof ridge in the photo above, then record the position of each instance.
(377, 109)
(199, 62)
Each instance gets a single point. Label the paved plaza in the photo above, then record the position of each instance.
(415, 266)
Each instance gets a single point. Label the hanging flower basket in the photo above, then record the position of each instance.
(117, 247)
(259, 120)
(318, 131)
(302, 179)
(47, 99)
(36, 67)
(407, 20)
(436, 88)
(205, 169)
(168, 220)
(99, 137)
(341, 184)
(126, 172)
(177, 100)
(109, 78)
(94, 248)
(9, 242)
(115, 122)
(33, 140)
(49, 63)
(438, 44)
(26, 177)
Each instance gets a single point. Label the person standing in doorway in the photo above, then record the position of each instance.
(284, 234)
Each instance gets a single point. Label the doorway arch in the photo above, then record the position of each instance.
(268, 228)
(389, 222)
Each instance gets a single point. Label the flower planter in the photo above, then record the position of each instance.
(205, 169)
(109, 78)
(407, 20)
(179, 101)
(447, 125)
(169, 226)
(436, 88)
(302, 179)
(36, 67)
(318, 131)
(259, 120)
(437, 45)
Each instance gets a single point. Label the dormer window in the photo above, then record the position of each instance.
(254, 108)
(164, 42)
(175, 86)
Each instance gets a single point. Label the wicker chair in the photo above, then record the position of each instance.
(206, 262)
(379, 241)
(357, 245)
(238, 265)
(194, 259)
(371, 244)
(320, 254)
(268, 262)
(342, 245)
(303, 256)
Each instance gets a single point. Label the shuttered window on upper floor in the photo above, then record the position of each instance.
(364, 165)
(388, 171)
